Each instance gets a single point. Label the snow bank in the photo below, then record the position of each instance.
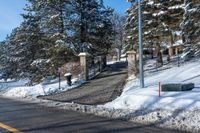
(184, 120)
(12, 83)
(175, 110)
(19, 90)
(133, 97)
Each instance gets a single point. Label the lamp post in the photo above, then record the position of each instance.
(59, 78)
(141, 65)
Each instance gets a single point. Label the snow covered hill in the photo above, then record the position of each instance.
(133, 97)
(175, 110)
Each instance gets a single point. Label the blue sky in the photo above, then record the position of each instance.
(10, 18)
(119, 5)
(10, 11)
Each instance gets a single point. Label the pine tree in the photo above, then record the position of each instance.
(38, 48)
(3, 54)
(172, 16)
(131, 30)
(161, 21)
(191, 25)
(83, 25)
(153, 29)
(53, 14)
(26, 44)
(53, 32)
(91, 29)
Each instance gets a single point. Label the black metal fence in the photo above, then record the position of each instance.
(95, 66)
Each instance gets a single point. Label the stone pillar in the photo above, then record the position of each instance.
(84, 66)
(132, 63)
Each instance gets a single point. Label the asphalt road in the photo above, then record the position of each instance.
(32, 118)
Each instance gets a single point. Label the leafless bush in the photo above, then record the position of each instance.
(71, 67)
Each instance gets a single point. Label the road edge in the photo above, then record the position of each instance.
(136, 116)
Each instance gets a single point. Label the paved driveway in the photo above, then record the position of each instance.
(104, 88)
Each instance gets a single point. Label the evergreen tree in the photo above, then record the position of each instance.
(82, 25)
(161, 21)
(172, 16)
(152, 27)
(191, 25)
(131, 30)
(53, 32)
(89, 26)
(4, 55)
(26, 45)
(53, 14)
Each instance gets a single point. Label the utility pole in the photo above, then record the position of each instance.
(141, 65)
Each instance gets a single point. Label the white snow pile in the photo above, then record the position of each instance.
(19, 89)
(133, 97)
(175, 110)
(10, 83)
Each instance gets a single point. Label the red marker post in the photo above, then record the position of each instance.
(159, 88)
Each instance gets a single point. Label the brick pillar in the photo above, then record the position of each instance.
(132, 63)
(84, 66)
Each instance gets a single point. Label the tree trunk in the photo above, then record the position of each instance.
(159, 60)
(82, 28)
(152, 51)
(104, 59)
(119, 54)
(62, 30)
(171, 51)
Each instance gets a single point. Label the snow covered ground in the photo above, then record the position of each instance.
(18, 89)
(134, 97)
(176, 110)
